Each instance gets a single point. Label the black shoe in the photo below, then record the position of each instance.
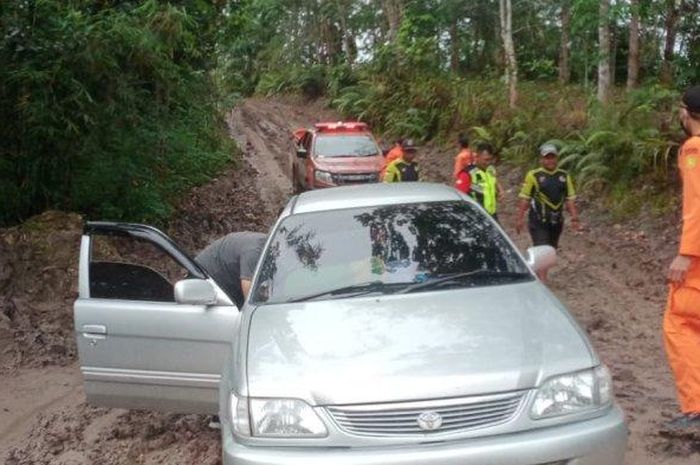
(687, 420)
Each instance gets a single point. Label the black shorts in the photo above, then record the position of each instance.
(545, 233)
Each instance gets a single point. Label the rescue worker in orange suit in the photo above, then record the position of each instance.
(464, 158)
(682, 317)
(396, 152)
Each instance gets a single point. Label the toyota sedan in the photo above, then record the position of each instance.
(386, 324)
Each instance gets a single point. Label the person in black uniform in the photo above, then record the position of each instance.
(546, 191)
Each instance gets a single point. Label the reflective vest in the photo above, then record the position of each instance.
(483, 188)
(401, 171)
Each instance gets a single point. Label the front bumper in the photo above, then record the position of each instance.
(600, 441)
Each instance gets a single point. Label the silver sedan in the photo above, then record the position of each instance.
(387, 324)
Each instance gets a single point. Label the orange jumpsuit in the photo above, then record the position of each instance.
(394, 154)
(682, 318)
(463, 159)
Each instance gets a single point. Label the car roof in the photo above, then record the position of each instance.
(371, 195)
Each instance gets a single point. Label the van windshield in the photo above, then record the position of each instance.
(385, 249)
(353, 145)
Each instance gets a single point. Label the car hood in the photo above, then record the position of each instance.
(371, 164)
(414, 346)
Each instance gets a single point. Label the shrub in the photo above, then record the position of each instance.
(104, 110)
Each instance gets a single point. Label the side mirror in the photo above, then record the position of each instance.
(541, 257)
(385, 150)
(195, 292)
(301, 152)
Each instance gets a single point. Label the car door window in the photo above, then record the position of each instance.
(127, 268)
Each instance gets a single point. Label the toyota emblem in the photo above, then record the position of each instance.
(429, 421)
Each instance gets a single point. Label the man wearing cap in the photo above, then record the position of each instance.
(404, 169)
(545, 193)
(682, 317)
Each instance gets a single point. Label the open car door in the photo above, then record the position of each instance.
(152, 328)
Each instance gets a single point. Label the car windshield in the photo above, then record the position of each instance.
(353, 145)
(385, 249)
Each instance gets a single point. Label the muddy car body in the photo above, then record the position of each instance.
(386, 324)
(335, 154)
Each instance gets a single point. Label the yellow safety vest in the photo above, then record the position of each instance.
(484, 188)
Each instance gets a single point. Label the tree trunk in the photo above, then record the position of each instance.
(613, 53)
(565, 48)
(604, 54)
(393, 9)
(454, 46)
(633, 58)
(506, 15)
(348, 40)
(670, 26)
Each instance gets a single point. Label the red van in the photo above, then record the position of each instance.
(335, 154)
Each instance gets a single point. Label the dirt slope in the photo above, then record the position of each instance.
(609, 276)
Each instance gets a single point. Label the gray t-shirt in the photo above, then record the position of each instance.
(232, 258)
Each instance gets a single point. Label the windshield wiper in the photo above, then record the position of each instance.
(355, 290)
(458, 277)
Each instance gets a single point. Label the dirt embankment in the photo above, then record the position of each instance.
(610, 277)
(39, 264)
(38, 283)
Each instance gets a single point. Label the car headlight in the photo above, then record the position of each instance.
(573, 393)
(282, 418)
(323, 176)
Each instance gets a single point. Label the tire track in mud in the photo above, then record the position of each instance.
(263, 130)
(32, 392)
(260, 142)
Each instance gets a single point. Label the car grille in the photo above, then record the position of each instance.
(355, 178)
(401, 418)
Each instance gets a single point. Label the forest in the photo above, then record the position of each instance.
(115, 108)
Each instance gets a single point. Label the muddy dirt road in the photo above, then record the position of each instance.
(609, 276)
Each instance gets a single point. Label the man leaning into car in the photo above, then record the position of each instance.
(231, 261)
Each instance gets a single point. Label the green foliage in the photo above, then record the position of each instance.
(541, 68)
(310, 82)
(622, 142)
(603, 147)
(106, 110)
